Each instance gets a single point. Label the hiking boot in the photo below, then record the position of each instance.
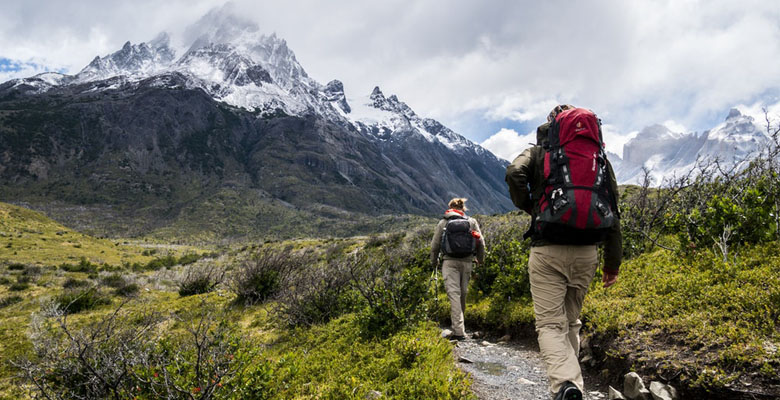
(569, 391)
(457, 337)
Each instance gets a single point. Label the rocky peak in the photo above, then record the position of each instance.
(733, 113)
(334, 92)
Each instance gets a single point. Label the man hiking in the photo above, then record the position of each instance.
(568, 187)
(458, 238)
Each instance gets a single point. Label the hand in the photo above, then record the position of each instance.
(609, 279)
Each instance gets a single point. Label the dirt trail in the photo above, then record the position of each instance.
(503, 371)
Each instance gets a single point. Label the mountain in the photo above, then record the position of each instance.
(145, 139)
(667, 154)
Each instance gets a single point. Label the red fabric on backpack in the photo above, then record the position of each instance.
(579, 143)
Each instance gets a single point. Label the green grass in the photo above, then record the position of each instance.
(702, 313)
(30, 237)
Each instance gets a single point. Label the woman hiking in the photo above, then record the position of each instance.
(458, 238)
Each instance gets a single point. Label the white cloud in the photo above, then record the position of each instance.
(634, 63)
(508, 144)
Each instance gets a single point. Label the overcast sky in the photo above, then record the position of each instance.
(490, 70)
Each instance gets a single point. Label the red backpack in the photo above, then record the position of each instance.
(577, 205)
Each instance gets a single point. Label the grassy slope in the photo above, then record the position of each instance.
(30, 237)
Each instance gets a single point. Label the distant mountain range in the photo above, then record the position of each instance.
(146, 136)
(667, 154)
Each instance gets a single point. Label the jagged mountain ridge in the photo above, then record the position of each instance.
(142, 129)
(668, 154)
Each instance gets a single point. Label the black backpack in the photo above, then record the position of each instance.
(457, 240)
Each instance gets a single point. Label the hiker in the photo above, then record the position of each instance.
(568, 187)
(459, 240)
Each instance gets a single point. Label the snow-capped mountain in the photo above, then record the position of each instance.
(158, 126)
(235, 63)
(667, 154)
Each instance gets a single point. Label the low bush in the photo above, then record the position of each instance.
(127, 290)
(258, 278)
(16, 267)
(125, 355)
(78, 300)
(82, 266)
(200, 280)
(72, 283)
(315, 294)
(10, 300)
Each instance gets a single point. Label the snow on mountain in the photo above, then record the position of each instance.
(135, 61)
(667, 154)
(234, 62)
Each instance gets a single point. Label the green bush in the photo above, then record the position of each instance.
(75, 301)
(127, 290)
(260, 277)
(72, 283)
(124, 355)
(10, 300)
(200, 280)
(16, 267)
(82, 266)
(188, 259)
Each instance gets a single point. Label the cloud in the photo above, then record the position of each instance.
(508, 144)
(634, 63)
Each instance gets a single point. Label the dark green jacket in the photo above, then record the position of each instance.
(525, 177)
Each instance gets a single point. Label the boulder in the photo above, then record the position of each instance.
(634, 388)
(613, 394)
(660, 391)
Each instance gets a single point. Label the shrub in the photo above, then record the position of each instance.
(16, 267)
(75, 301)
(200, 280)
(188, 259)
(10, 300)
(127, 290)
(114, 280)
(82, 266)
(257, 279)
(72, 283)
(18, 287)
(315, 294)
(393, 285)
(124, 355)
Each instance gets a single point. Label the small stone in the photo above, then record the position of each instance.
(596, 394)
(613, 394)
(505, 338)
(660, 391)
(524, 381)
(446, 333)
(634, 388)
(476, 335)
(372, 395)
(465, 360)
(486, 343)
(586, 359)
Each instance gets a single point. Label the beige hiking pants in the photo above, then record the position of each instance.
(456, 274)
(560, 276)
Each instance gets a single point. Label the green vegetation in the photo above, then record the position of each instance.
(28, 237)
(698, 300)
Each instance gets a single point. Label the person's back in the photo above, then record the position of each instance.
(458, 239)
(564, 253)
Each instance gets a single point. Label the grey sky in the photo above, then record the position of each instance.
(476, 66)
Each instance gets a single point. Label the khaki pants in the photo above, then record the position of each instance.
(560, 276)
(456, 274)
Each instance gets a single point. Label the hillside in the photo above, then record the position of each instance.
(29, 237)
